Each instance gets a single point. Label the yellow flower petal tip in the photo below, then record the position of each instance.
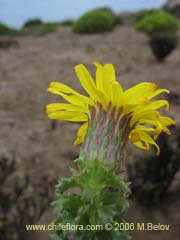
(133, 111)
(97, 64)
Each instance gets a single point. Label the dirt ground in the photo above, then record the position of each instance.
(26, 70)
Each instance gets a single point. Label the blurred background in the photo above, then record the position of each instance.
(40, 42)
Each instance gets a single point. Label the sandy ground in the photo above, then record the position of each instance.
(26, 71)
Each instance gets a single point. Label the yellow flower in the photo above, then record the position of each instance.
(131, 112)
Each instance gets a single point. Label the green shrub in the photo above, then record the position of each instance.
(117, 19)
(157, 22)
(139, 16)
(32, 22)
(41, 29)
(5, 30)
(162, 29)
(95, 21)
(48, 27)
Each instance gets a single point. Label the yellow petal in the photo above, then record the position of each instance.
(147, 121)
(157, 130)
(62, 90)
(162, 126)
(54, 107)
(166, 130)
(166, 121)
(109, 73)
(117, 90)
(157, 92)
(105, 76)
(97, 64)
(145, 115)
(154, 105)
(128, 108)
(148, 139)
(143, 128)
(73, 99)
(134, 136)
(159, 103)
(81, 134)
(139, 91)
(69, 116)
(99, 76)
(88, 84)
(142, 145)
(69, 91)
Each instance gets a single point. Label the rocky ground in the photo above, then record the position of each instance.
(32, 62)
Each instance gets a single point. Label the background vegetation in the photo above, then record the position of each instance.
(162, 30)
(95, 21)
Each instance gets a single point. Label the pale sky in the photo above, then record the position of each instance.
(16, 12)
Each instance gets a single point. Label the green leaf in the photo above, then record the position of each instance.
(66, 184)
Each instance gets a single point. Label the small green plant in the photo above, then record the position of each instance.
(32, 22)
(95, 21)
(162, 29)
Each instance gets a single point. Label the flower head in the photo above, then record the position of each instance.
(130, 115)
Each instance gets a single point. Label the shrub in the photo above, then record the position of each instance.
(32, 22)
(48, 27)
(162, 29)
(41, 29)
(139, 16)
(95, 21)
(152, 177)
(163, 44)
(5, 30)
(117, 19)
(158, 22)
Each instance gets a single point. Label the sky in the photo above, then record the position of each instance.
(16, 12)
